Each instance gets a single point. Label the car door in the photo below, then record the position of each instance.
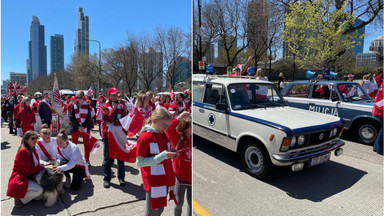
(297, 95)
(324, 99)
(213, 123)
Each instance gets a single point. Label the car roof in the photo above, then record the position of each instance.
(226, 80)
(320, 82)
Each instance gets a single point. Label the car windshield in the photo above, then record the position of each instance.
(353, 92)
(254, 95)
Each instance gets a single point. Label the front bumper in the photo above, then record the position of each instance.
(290, 158)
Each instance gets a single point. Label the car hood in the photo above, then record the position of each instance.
(290, 120)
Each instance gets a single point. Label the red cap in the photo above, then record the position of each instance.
(166, 105)
(173, 108)
(73, 98)
(100, 96)
(112, 91)
(350, 75)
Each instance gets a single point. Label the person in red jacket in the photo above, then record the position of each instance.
(26, 164)
(181, 103)
(153, 157)
(16, 111)
(377, 112)
(26, 116)
(179, 134)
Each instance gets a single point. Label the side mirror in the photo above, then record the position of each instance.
(221, 106)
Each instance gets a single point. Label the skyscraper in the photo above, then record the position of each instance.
(57, 52)
(82, 32)
(37, 61)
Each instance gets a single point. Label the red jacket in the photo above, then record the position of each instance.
(27, 117)
(34, 107)
(23, 167)
(183, 163)
(111, 116)
(16, 111)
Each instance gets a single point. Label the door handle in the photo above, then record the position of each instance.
(201, 110)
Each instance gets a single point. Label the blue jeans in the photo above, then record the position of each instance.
(107, 164)
(378, 146)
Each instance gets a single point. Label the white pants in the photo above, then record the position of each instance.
(34, 190)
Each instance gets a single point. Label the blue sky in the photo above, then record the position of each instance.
(109, 23)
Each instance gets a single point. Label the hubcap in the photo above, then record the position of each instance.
(367, 132)
(254, 159)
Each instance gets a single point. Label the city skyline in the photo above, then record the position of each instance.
(61, 18)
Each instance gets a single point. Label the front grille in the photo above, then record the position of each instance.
(314, 138)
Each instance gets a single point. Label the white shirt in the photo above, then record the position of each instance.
(51, 148)
(282, 85)
(72, 154)
(370, 86)
(263, 89)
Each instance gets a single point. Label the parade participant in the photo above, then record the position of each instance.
(379, 76)
(71, 161)
(377, 111)
(181, 103)
(11, 102)
(179, 134)
(151, 104)
(142, 103)
(69, 106)
(45, 110)
(26, 165)
(173, 110)
(26, 116)
(16, 112)
(350, 77)
(281, 83)
(112, 112)
(153, 154)
(34, 105)
(240, 69)
(168, 99)
(46, 146)
(99, 114)
(65, 104)
(81, 123)
(161, 102)
(263, 90)
(369, 85)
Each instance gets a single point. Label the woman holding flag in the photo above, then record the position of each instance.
(153, 154)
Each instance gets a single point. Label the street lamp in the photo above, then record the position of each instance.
(99, 84)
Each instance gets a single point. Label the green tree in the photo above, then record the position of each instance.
(315, 32)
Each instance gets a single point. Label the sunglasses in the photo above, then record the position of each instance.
(33, 138)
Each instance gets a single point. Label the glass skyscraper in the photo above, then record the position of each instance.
(57, 52)
(82, 32)
(37, 61)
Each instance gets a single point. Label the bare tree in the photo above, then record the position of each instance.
(84, 69)
(64, 79)
(174, 44)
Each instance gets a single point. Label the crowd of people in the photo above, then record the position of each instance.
(164, 153)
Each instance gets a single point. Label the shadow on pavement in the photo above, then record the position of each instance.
(85, 191)
(4, 145)
(98, 170)
(129, 188)
(315, 183)
(37, 208)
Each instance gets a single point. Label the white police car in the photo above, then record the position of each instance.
(338, 98)
(250, 117)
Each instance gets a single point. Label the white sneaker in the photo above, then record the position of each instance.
(67, 183)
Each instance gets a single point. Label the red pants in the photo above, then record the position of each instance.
(75, 138)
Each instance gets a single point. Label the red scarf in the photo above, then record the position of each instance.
(81, 114)
(119, 109)
(98, 109)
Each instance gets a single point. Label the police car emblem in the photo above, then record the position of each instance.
(211, 119)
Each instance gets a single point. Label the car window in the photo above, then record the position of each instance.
(214, 94)
(198, 90)
(322, 92)
(298, 90)
(353, 92)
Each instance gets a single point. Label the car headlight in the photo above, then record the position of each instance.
(293, 142)
(301, 140)
(334, 131)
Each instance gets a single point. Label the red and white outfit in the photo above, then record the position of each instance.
(19, 186)
(72, 154)
(145, 112)
(99, 116)
(46, 151)
(26, 117)
(82, 117)
(158, 105)
(156, 178)
(183, 106)
(111, 115)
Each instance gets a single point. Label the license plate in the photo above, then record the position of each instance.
(320, 159)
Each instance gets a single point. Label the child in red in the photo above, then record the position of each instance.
(153, 154)
(179, 134)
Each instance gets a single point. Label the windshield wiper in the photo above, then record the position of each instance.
(275, 103)
(253, 106)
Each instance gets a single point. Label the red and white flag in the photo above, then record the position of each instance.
(133, 122)
(119, 148)
(379, 102)
(95, 144)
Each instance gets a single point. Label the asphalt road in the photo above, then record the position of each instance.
(351, 184)
(91, 199)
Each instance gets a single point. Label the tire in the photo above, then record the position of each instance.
(256, 160)
(366, 133)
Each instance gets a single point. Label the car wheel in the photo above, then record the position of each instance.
(256, 160)
(366, 133)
